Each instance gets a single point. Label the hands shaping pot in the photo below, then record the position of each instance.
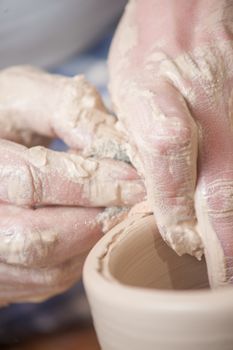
(172, 92)
(171, 79)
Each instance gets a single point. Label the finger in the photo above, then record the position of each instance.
(37, 261)
(33, 101)
(166, 137)
(38, 176)
(46, 236)
(19, 284)
(214, 207)
(16, 114)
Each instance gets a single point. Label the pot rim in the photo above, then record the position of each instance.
(108, 288)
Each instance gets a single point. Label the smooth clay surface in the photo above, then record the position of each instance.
(144, 296)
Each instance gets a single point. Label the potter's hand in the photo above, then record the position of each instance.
(171, 71)
(44, 233)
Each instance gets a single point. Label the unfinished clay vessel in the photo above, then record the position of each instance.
(145, 297)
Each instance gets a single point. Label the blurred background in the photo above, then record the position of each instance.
(46, 32)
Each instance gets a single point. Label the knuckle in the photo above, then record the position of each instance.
(19, 189)
(170, 140)
(11, 244)
(39, 246)
(37, 157)
(169, 136)
(80, 94)
(22, 185)
(36, 187)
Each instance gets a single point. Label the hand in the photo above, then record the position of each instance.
(171, 74)
(46, 224)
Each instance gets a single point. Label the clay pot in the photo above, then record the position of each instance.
(145, 297)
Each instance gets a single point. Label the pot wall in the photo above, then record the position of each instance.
(136, 308)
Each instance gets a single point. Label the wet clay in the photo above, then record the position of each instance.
(78, 116)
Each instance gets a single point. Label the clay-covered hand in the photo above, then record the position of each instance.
(47, 225)
(171, 75)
